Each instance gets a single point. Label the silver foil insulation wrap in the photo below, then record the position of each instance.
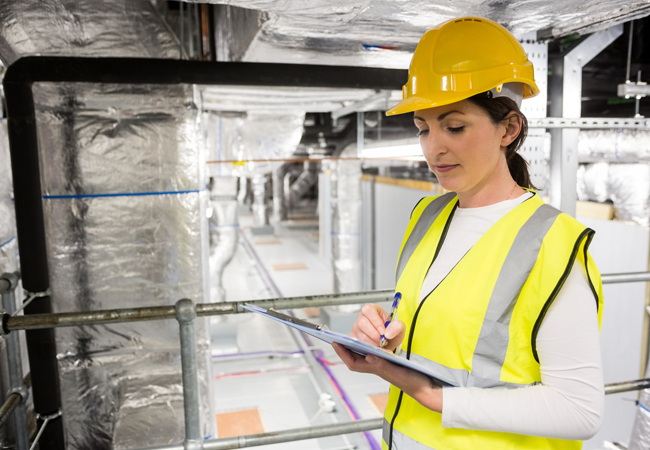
(640, 439)
(616, 167)
(384, 33)
(346, 227)
(120, 28)
(125, 203)
(224, 231)
(8, 243)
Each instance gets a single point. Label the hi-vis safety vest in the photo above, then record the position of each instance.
(478, 327)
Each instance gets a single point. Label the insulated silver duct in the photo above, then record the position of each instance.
(123, 179)
(224, 232)
(614, 145)
(640, 438)
(626, 185)
(279, 201)
(346, 227)
(8, 243)
(8, 259)
(384, 33)
(260, 197)
(83, 28)
(307, 178)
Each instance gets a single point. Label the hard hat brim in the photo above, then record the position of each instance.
(424, 101)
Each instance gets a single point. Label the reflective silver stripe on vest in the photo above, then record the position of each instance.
(401, 441)
(462, 377)
(492, 345)
(426, 219)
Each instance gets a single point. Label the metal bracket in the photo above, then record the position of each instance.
(30, 297)
(585, 123)
(629, 89)
(564, 142)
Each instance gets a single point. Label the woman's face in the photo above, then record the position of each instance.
(461, 146)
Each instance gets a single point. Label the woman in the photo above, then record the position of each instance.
(500, 295)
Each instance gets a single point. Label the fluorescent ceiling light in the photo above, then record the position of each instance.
(396, 151)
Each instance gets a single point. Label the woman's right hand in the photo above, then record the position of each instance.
(370, 326)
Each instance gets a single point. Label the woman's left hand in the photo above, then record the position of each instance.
(414, 384)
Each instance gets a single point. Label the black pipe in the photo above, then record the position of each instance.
(170, 71)
(23, 145)
(212, 44)
(21, 128)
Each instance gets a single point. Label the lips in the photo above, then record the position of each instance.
(442, 168)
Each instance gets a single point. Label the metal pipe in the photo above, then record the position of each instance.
(625, 277)
(14, 360)
(298, 434)
(212, 45)
(39, 321)
(182, 31)
(626, 386)
(185, 314)
(629, 52)
(9, 406)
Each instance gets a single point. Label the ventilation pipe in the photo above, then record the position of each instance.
(346, 227)
(260, 209)
(224, 228)
(306, 180)
(279, 200)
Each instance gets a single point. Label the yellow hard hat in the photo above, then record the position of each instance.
(461, 58)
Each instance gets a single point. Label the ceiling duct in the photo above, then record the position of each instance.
(83, 28)
(384, 33)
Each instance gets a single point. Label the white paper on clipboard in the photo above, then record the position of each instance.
(350, 343)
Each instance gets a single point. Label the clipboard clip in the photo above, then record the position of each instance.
(286, 318)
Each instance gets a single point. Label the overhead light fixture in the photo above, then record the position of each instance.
(409, 151)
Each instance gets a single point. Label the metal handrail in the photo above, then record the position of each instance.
(38, 321)
(185, 312)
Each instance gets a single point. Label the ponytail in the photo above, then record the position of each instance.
(498, 109)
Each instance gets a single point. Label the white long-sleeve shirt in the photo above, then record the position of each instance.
(569, 402)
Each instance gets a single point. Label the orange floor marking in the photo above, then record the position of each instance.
(239, 423)
(293, 266)
(379, 401)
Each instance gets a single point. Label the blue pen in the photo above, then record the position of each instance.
(398, 296)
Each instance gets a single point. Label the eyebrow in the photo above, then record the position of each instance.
(441, 116)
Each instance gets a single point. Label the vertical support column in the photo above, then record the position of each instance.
(368, 233)
(15, 364)
(564, 143)
(185, 314)
(360, 133)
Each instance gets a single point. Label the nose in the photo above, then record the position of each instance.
(432, 146)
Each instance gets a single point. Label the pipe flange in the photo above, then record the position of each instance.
(4, 320)
(185, 310)
(21, 390)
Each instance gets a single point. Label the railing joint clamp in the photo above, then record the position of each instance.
(21, 390)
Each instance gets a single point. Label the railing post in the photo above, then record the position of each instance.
(185, 314)
(8, 284)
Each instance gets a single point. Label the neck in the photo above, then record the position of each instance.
(499, 187)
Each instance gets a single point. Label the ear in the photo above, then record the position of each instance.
(512, 124)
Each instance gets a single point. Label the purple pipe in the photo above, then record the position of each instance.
(254, 354)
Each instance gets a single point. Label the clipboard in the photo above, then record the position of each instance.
(352, 344)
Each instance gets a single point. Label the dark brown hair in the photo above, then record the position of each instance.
(498, 108)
